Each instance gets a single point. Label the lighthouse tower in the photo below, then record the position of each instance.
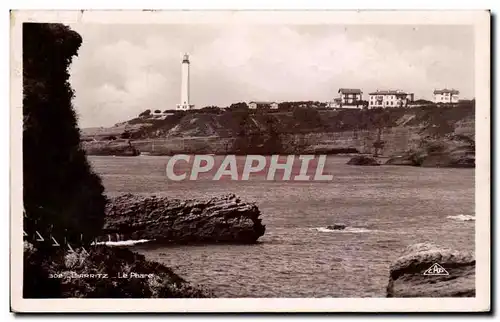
(184, 105)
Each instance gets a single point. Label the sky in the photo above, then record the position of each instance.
(122, 70)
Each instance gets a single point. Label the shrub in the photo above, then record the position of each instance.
(145, 113)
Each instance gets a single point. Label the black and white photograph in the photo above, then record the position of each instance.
(222, 155)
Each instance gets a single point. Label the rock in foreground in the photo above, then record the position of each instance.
(362, 160)
(407, 277)
(224, 219)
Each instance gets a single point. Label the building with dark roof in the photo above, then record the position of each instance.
(350, 97)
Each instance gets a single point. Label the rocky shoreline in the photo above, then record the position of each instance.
(100, 272)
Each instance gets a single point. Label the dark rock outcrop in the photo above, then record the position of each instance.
(100, 272)
(224, 219)
(336, 227)
(363, 160)
(407, 278)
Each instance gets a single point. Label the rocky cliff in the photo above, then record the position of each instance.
(224, 219)
(326, 131)
(450, 151)
(427, 270)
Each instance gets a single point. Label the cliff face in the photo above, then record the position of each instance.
(330, 132)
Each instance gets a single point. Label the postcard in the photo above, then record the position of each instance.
(250, 161)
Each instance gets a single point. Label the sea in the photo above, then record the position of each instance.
(384, 208)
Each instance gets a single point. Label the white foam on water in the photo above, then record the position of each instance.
(123, 242)
(463, 217)
(346, 230)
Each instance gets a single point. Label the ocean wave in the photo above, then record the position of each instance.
(463, 217)
(123, 242)
(346, 230)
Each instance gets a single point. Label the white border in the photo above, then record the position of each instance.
(479, 19)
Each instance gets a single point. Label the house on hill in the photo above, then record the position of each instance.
(350, 97)
(446, 96)
(261, 104)
(389, 98)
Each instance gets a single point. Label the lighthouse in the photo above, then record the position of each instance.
(184, 105)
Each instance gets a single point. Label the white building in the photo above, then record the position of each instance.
(350, 97)
(389, 98)
(254, 105)
(335, 103)
(184, 105)
(446, 96)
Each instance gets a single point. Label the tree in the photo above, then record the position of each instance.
(145, 113)
(157, 111)
(63, 197)
(239, 105)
